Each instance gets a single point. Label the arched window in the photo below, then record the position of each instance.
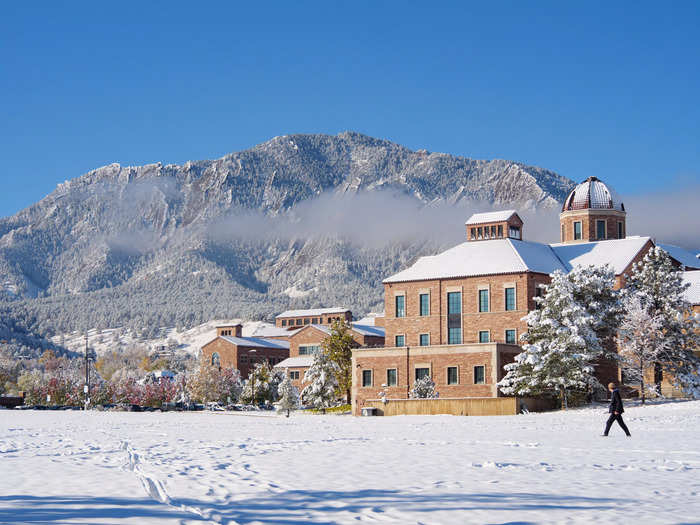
(215, 359)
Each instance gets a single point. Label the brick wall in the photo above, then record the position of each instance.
(303, 320)
(241, 357)
(307, 336)
(588, 220)
(465, 357)
(496, 321)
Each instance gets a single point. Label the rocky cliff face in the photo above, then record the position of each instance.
(167, 244)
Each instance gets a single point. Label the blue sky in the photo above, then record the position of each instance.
(581, 88)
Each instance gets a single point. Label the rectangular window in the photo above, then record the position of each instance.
(452, 377)
(510, 298)
(473, 232)
(284, 322)
(493, 232)
(514, 232)
(500, 231)
(562, 233)
(483, 300)
(400, 306)
(298, 322)
(400, 340)
(309, 349)
(484, 336)
(539, 292)
(479, 234)
(366, 378)
(510, 337)
(479, 375)
(422, 372)
(314, 320)
(307, 320)
(424, 304)
(577, 230)
(425, 339)
(620, 232)
(600, 230)
(486, 232)
(454, 318)
(391, 377)
(294, 375)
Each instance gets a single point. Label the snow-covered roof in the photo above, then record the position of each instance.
(684, 257)
(314, 311)
(692, 294)
(257, 342)
(273, 331)
(369, 319)
(361, 329)
(490, 257)
(618, 253)
(593, 194)
(292, 362)
(491, 216)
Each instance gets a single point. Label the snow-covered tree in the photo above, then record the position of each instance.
(561, 344)
(424, 388)
(288, 395)
(660, 289)
(322, 384)
(594, 289)
(262, 383)
(338, 346)
(641, 341)
(212, 384)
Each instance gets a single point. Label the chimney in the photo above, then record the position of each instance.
(231, 330)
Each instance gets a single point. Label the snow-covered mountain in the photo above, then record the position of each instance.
(245, 235)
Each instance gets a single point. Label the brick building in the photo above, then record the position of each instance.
(321, 316)
(305, 342)
(231, 350)
(457, 316)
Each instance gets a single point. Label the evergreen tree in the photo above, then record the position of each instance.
(561, 341)
(641, 341)
(424, 388)
(338, 347)
(261, 385)
(322, 384)
(288, 395)
(660, 289)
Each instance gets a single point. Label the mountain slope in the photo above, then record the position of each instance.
(170, 244)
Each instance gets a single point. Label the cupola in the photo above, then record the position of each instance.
(593, 211)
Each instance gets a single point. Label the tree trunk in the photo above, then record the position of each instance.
(287, 412)
(641, 383)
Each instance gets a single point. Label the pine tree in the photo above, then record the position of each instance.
(660, 288)
(424, 388)
(338, 347)
(561, 341)
(641, 341)
(261, 385)
(322, 384)
(288, 395)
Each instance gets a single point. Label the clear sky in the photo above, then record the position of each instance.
(582, 88)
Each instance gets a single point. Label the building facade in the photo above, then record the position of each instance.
(457, 316)
(322, 316)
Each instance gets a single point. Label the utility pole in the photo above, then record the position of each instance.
(86, 389)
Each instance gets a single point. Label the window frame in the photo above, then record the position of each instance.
(515, 333)
(402, 297)
(371, 378)
(488, 336)
(483, 378)
(620, 229)
(294, 375)
(415, 371)
(605, 230)
(396, 376)
(483, 288)
(420, 339)
(452, 316)
(513, 287)
(306, 346)
(396, 340)
(420, 304)
(580, 230)
(447, 375)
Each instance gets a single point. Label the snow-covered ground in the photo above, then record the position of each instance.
(99, 467)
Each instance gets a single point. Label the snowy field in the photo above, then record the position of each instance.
(147, 468)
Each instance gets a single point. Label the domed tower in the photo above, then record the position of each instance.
(592, 212)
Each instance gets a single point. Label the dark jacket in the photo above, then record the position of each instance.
(616, 402)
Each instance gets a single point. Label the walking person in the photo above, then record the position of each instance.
(616, 409)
